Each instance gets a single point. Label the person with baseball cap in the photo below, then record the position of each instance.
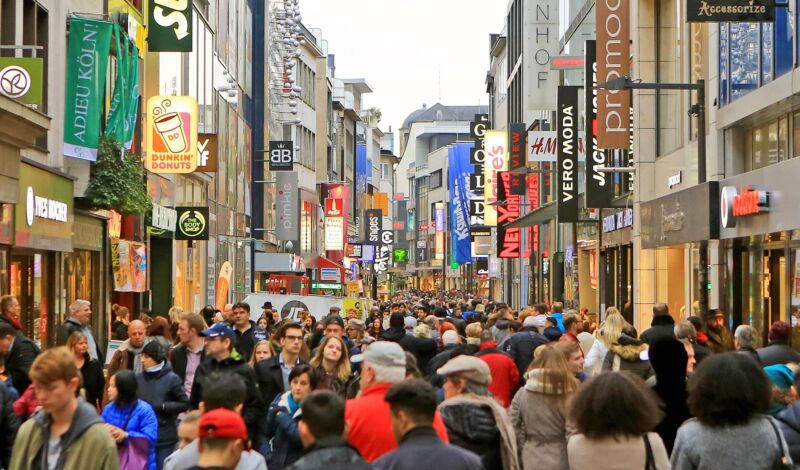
(222, 356)
(383, 364)
(223, 437)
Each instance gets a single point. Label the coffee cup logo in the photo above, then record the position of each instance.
(170, 128)
(172, 134)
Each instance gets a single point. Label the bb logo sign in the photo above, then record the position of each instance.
(192, 223)
(281, 155)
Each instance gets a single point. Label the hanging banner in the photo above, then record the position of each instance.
(496, 160)
(509, 241)
(287, 206)
(169, 26)
(477, 156)
(458, 173)
(87, 61)
(738, 11)
(223, 283)
(613, 61)
(281, 155)
(341, 193)
(567, 170)
(422, 250)
(438, 216)
(439, 248)
(541, 44)
(517, 157)
(117, 111)
(361, 168)
(599, 188)
(171, 134)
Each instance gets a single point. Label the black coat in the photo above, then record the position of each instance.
(93, 380)
(438, 361)
(421, 448)
(120, 331)
(789, 422)
(521, 346)
(163, 390)
(177, 358)
(473, 427)
(332, 453)
(9, 425)
(71, 326)
(246, 341)
(663, 327)
(777, 353)
(19, 361)
(270, 378)
(254, 408)
(422, 348)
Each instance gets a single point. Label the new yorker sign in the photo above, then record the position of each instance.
(750, 11)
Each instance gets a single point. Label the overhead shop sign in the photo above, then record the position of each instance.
(281, 155)
(744, 11)
(192, 223)
(509, 240)
(542, 146)
(171, 134)
(353, 250)
(162, 220)
(599, 189)
(477, 158)
(207, 151)
(21, 79)
(735, 203)
(287, 206)
(567, 170)
(518, 137)
(496, 161)
(334, 225)
(169, 27)
(542, 80)
(374, 219)
(613, 61)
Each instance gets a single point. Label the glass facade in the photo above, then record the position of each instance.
(753, 54)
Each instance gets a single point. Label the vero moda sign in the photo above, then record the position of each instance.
(567, 171)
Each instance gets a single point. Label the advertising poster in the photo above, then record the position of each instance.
(223, 283)
(458, 174)
(129, 265)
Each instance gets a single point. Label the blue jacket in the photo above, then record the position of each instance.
(142, 423)
(285, 446)
(559, 320)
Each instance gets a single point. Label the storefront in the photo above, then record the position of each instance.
(84, 271)
(673, 226)
(615, 268)
(43, 227)
(760, 246)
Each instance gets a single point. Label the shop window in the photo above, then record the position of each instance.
(767, 144)
(77, 270)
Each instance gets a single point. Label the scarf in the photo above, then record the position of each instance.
(137, 357)
(502, 421)
(13, 321)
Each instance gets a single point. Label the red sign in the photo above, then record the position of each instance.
(509, 240)
(423, 226)
(333, 207)
(750, 202)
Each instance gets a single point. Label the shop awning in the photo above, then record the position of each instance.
(541, 215)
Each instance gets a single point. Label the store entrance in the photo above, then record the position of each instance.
(29, 287)
(774, 293)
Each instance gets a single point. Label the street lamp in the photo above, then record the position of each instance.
(698, 109)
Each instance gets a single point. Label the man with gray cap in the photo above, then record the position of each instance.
(521, 345)
(383, 364)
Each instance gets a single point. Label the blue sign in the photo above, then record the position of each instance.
(458, 173)
(361, 169)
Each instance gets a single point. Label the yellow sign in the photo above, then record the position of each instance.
(356, 287)
(171, 134)
(356, 304)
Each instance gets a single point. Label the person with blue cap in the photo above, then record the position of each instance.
(781, 378)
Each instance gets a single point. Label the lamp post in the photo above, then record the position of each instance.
(698, 109)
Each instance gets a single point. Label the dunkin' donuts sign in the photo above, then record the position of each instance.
(171, 134)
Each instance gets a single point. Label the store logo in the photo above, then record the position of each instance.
(29, 207)
(192, 223)
(38, 206)
(291, 309)
(281, 155)
(172, 134)
(14, 81)
(387, 237)
(741, 203)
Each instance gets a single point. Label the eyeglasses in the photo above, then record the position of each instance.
(293, 338)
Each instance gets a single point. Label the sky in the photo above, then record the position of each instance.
(410, 51)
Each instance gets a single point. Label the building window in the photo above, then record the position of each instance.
(436, 179)
(671, 63)
(767, 144)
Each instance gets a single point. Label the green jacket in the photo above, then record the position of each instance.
(86, 444)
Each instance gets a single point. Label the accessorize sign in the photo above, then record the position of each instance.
(192, 223)
(281, 155)
(169, 27)
(171, 134)
(496, 160)
(745, 11)
(43, 219)
(87, 60)
(567, 171)
(599, 190)
(287, 206)
(21, 79)
(613, 55)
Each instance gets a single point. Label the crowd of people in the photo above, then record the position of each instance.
(443, 380)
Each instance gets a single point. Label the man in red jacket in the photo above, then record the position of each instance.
(369, 417)
(505, 376)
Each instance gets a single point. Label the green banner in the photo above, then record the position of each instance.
(21, 79)
(116, 112)
(169, 26)
(133, 97)
(87, 61)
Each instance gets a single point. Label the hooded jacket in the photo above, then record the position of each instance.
(505, 376)
(663, 327)
(86, 444)
(285, 446)
(19, 361)
(189, 455)
(163, 390)
(473, 428)
(626, 354)
(422, 348)
(331, 453)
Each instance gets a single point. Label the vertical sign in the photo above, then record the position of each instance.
(477, 158)
(207, 152)
(542, 18)
(374, 224)
(509, 241)
(567, 171)
(287, 206)
(438, 217)
(517, 156)
(169, 28)
(281, 155)
(458, 179)
(496, 143)
(599, 190)
(613, 54)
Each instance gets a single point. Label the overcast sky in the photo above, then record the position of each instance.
(410, 51)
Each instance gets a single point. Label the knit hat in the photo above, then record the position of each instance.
(410, 323)
(155, 351)
(780, 375)
(552, 333)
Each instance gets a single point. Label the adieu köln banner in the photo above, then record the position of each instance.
(87, 61)
(458, 172)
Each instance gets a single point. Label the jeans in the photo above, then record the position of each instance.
(162, 452)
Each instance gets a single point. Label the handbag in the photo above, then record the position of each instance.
(134, 451)
(784, 462)
(650, 460)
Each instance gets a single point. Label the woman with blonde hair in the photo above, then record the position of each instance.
(608, 333)
(474, 331)
(175, 314)
(539, 411)
(332, 365)
(91, 370)
(262, 350)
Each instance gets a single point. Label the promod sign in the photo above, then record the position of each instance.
(171, 134)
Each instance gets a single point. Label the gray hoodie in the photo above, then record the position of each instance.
(85, 416)
(189, 455)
